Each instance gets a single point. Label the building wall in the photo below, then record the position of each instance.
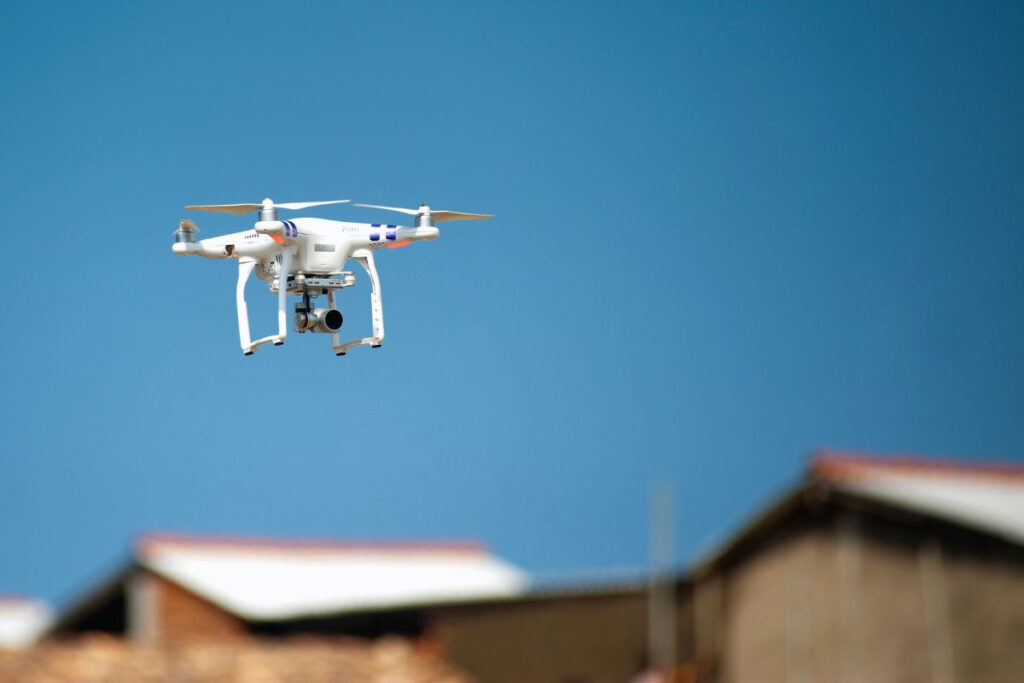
(165, 612)
(100, 658)
(584, 639)
(986, 613)
(769, 603)
(847, 596)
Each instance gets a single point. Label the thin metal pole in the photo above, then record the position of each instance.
(661, 607)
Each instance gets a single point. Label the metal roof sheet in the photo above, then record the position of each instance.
(988, 497)
(270, 580)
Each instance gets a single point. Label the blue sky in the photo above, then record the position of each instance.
(725, 234)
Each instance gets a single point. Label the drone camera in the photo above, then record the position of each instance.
(327, 320)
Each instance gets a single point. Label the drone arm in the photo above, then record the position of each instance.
(245, 268)
(365, 258)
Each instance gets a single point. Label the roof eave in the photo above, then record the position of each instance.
(107, 589)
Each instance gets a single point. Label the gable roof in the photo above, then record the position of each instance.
(988, 497)
(275, 579)
(983, 497)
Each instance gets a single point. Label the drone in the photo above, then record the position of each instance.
(306, 257)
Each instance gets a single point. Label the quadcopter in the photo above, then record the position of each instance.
(306, 257)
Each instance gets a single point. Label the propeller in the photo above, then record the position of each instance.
(267, 205)
(186, 232)
(427, 216)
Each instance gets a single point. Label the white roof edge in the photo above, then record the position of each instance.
(998, 513)
(23, 620)
(349, 608)
(280, 588)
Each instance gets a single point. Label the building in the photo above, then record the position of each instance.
(881, 569)
(873, 569)
(22, 620)
(187, 587)
(869, 569)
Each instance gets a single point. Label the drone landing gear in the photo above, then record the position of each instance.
(365, 258)
(312, 320)
(245, 268)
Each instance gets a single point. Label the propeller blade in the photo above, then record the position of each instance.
(236, 209)
(436, 216)
(441, 216)
(188, 225)
(411, 212)
(295, 206)
(241, 209)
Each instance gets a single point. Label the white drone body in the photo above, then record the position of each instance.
(306, 257)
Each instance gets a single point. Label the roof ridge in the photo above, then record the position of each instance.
(145, 540)
(835, 464)
(21, 597)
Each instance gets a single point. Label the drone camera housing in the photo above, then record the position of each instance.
(325, 320)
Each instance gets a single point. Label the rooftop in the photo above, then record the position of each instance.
(22, 620)
(262, 579)
(982, 495)
(985, 497)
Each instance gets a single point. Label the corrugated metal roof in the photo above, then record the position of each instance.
(266, 580)
(985, 496)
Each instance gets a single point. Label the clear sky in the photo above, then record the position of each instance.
(725, 234)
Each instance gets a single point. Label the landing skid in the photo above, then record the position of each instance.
(309, 287)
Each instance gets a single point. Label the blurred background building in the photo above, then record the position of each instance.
(870, 569)
(179, 587)
(22, 620)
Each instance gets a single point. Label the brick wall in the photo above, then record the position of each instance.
(102, 658)
(162, 611)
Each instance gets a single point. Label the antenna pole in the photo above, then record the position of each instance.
(661, 603)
